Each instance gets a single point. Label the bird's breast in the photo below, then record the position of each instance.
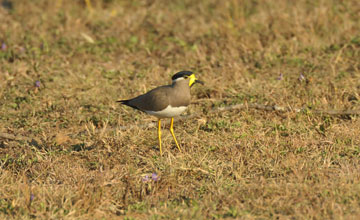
(168, 112)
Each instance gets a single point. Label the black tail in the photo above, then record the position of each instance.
(126, 102)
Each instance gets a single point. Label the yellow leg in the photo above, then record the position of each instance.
(159, 133)
(59, 3)
(88, 4)
(172, 132)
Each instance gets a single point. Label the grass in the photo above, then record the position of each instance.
(248, 164)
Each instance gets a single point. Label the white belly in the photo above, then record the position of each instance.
(168, 112)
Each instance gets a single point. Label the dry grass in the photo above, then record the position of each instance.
(246, 164)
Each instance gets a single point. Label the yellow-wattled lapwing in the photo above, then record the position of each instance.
(166, 101)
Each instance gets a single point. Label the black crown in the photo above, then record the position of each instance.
(181, 74)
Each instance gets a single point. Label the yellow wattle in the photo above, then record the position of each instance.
(192, 79)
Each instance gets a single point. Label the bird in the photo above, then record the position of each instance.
(166, 101)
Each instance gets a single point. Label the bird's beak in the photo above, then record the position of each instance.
(199, 81)
(193, 80)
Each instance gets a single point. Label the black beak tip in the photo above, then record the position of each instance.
(199, 81)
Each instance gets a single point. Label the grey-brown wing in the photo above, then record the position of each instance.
(154, 100)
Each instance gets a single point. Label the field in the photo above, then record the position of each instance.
(291, 151)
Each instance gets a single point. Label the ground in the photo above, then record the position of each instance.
(69, 151)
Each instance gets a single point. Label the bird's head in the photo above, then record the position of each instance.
(186, 75)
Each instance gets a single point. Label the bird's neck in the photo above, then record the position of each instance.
(180, 83)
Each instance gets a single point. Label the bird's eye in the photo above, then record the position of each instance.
(185, 77)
